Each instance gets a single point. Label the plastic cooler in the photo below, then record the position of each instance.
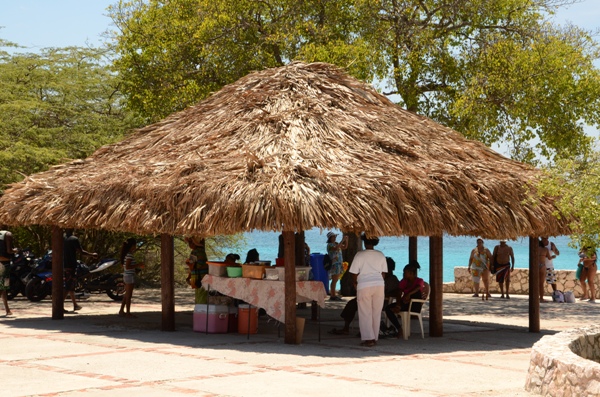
(318, 268)
(217, 321)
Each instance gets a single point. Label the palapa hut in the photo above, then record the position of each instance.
(288, 149)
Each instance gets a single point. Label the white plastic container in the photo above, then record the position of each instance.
(271, 273)
(302, 273)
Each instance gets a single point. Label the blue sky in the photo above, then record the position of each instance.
(53, 23)
(60, 23)
(37, 24)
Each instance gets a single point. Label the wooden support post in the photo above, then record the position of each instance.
(58, 290)
(290, 287)
(299, 248)
(436, 281)
(167, 282)
(354, 245)
(412, 248)
(534, 285)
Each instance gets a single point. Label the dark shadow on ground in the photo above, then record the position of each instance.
(475, 332)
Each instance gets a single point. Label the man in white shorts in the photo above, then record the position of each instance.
(550, 273)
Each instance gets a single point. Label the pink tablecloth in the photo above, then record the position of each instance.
(266, 294)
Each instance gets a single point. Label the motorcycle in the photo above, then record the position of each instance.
(90, 279)
(20, 269)
(94, 279)
(39, 284)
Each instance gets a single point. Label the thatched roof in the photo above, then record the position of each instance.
(292, 148)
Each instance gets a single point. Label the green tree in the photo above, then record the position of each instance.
(55, 106)
(171, 54)
(494, 70)
(576, 183)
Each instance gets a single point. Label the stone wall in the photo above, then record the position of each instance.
(519, 282)
(566, 364)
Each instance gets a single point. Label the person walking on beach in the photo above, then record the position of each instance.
(479, 267)
(334, 250)
(368, 270)
(504, 260)
(6, 251)
(550, 273)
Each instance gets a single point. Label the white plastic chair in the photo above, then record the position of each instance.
(405, 316)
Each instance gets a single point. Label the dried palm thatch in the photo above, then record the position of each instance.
(289, 148)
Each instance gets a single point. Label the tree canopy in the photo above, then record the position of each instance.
(56, 105)
(576, 183)
(495, 70)
(172, 54)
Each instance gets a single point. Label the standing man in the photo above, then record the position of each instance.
(504, 260)
(6, 251)
(550, 273)
(71, 247)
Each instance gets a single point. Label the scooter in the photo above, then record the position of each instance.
(20, 269)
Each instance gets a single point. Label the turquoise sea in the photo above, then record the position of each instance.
(456, 250)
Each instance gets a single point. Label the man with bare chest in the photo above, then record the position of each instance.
(504, 260)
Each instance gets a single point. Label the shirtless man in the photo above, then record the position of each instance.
(505, 264)
(543, 255)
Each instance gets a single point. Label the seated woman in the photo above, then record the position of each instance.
(410, 287)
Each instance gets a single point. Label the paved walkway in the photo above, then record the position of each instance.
(484, 352)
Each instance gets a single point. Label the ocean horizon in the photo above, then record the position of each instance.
(456, 250)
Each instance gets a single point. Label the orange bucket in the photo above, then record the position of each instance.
(247, 315)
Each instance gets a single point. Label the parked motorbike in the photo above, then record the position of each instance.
(20, 269)
(39, 284)
(89, 279)
(95, 279)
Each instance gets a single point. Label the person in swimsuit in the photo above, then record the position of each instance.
(479, 267)
(590, 267)
(504, 258)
